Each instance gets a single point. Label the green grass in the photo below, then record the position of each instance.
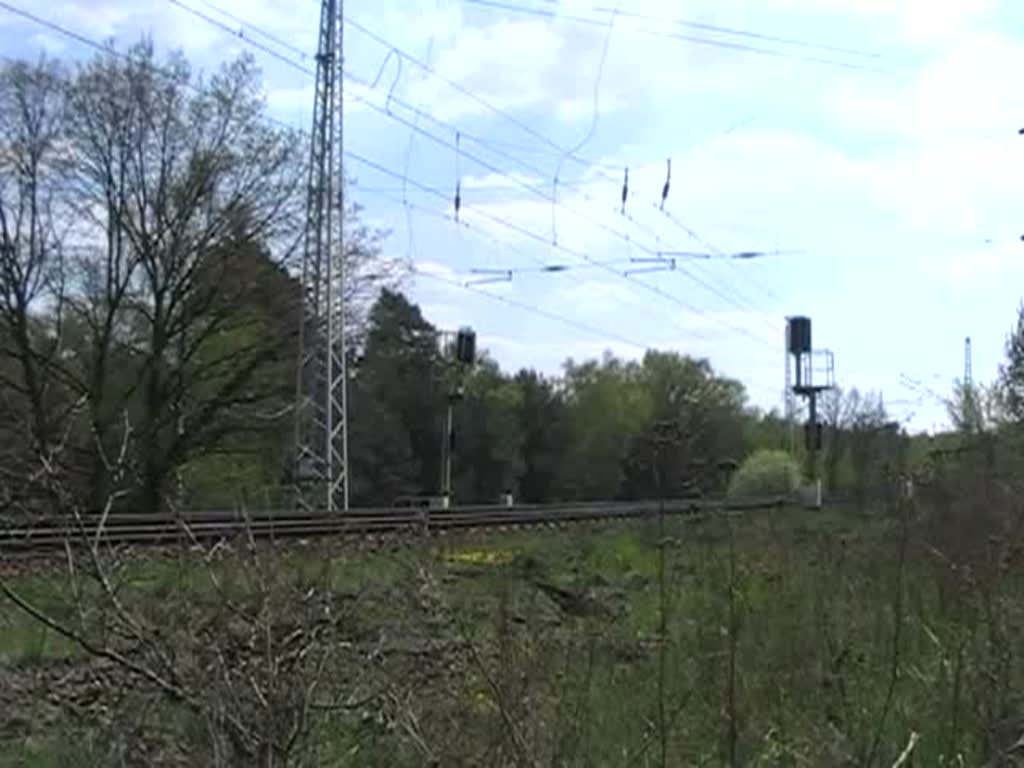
(34, 754)
(564, 627)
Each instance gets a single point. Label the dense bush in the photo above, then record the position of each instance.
(765, 473)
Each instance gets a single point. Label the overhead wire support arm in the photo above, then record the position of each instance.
(495, 275)
(526, 232)
(397, 175)
(683, 255)
(596, 222)
(736, 255)
(543, 269)
(490, 276)
(663, 265)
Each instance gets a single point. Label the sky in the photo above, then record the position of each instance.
(873, 157)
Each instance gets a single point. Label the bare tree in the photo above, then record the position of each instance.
(857, 425)
(246, 668)
(973, 407)
(836, 412)
(31, 256)
(189, 183)
(168, 290)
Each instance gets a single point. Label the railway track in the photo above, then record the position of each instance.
(20, 537)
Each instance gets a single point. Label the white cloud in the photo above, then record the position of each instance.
(580, 108)
(965, 92)
(992, 261)
(509, 61)
(521, 62)
(436, 268)
(52, 44)
(444, 315)
(502, 181)
(918, 21)
(598, 296)
(292, 100)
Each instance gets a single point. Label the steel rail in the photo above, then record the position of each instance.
(133, 528)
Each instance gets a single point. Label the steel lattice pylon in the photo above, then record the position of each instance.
(321, 427)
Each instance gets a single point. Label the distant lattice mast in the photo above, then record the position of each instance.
(968, 373)
(321, 425)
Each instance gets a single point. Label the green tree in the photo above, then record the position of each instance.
(706, 412)
(382, 463)
(1011, 373)
(766, 430)
(175, 308)
(872, 441)
(608, 406)
(234, 452)
(543, 423)
(765, 473)
(488, 448)
(397, 403)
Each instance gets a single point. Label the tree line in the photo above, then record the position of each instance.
(151, 222)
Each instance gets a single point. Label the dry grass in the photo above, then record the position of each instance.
(823, 639)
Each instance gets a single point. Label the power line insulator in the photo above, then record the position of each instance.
(625, 190)
(668, 183)
(458, 176)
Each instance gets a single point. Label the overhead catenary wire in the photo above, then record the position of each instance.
(740, 32)
(240, 33)
(504, 273)
(408, 147)
(566, 321)
(546, 144)
(593, 123)
(507, 272)
(595, 222)
(533, 309)
(553, 316)
(170, 75)
(512, 302)
(705, 243)
(717, 43)
(536, 191)
(518, 161)
(543, 266)
(105, 48)
(474, 97)
(586, 257)
(108, 48)
(537, 237)
(665, 258)
(393, 52)
(416, 129)
(304, 55)
(730, 293)
(418, 114)
(188, 83)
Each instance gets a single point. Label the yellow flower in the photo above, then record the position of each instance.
(480, 557)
